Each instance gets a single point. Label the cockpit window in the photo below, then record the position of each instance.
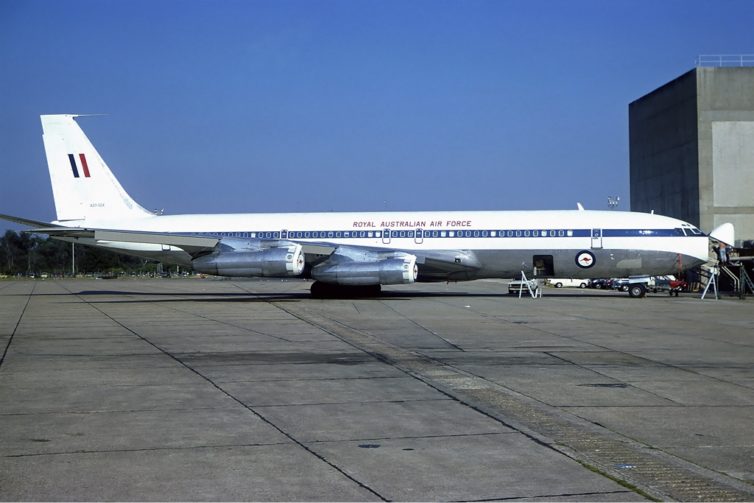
(690, 230)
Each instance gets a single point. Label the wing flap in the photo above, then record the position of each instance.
(190, 244)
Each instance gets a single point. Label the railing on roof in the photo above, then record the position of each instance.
(725, 60)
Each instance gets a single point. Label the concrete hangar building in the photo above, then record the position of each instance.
(692, 147)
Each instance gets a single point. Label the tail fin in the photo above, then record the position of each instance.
(83, 186)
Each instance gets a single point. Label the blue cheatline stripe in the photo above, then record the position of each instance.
(73, 165)
(621, 233)
(446, 233)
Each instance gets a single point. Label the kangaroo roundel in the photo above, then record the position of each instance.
(585, 259)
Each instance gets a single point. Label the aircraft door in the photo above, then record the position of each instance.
(596, 238)
(543, 265)
(419, 236)
(386, 236)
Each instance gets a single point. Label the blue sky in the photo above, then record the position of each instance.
(261, 106)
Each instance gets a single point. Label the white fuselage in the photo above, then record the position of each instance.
(621, 243)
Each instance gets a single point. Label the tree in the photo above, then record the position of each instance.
(31, 254)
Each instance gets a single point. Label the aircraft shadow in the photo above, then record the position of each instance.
(169, 297)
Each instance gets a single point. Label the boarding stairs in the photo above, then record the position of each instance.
(742, 282)
(734, 270)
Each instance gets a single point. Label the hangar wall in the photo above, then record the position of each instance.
(692, 149)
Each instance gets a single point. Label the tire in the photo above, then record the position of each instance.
(582, 285)
(558, 285)
(637, 290)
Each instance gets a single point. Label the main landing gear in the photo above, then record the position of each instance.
(321, 290)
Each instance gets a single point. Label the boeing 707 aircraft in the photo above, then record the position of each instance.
(356, 250)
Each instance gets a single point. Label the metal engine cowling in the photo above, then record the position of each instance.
(276, 262)
(391, 271)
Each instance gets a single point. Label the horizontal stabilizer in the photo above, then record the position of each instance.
(24, 221)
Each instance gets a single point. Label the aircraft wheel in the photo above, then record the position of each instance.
(637, 290)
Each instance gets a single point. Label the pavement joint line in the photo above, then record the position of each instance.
(654, 364)
(238, 401)
(111, 411)
(412, 437)
(18, 323)
(590, 369)
(227, 323)
(360, 402)
(546, 496)
(146, 449)
(416, 323)
(551, 427)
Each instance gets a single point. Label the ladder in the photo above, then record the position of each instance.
(746, 280)
(735, 279)
(710, 273)
(742, 281)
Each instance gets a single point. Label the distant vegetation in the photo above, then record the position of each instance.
(33, 255)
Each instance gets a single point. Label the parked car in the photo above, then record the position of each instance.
(528, 286)
(619, 284)
(600, 283)
(568, 282)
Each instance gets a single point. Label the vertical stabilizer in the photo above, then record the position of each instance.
(83, 186)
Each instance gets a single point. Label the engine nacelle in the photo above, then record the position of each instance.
(393, 271)
(276, 262)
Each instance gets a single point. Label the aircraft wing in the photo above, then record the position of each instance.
(432, 265)
(193, 245)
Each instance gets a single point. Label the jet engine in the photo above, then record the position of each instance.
(286, 260)
(390, 271)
